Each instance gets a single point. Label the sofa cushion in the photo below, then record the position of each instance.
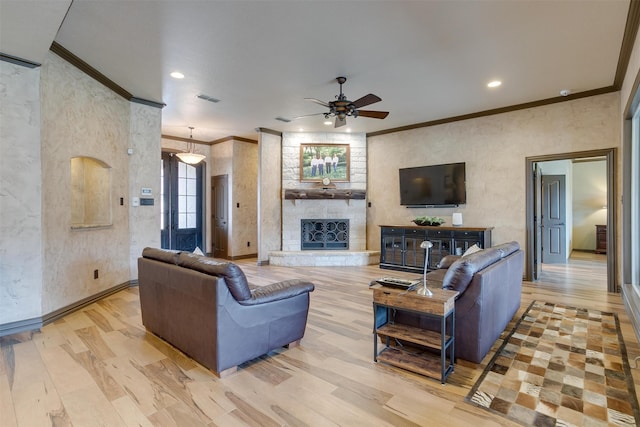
(447, 260)
(461, 272)
(232, 274)
(472, 250)
(164, 255)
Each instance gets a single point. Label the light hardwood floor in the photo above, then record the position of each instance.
(100, 367)
(583, 270)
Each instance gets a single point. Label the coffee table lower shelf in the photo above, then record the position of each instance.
(420, 362)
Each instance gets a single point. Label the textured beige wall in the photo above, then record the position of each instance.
(48, 116)
(244, 199)
(494, 149)
(144, 172)
(80, 117)
(20, 194)
(269, 195)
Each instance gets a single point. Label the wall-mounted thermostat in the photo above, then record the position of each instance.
(144, 191)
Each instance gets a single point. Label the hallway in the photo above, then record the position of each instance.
(583, 271)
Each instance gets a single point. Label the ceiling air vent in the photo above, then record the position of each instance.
(207, 98)
(283, 119)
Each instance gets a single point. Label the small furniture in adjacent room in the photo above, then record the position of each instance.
(601, 239)
(206, 309)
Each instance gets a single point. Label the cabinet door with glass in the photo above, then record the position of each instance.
(413, 253)
(442, 246)
(392, 244)
(463, 240)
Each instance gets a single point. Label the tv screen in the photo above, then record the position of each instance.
(435, 185)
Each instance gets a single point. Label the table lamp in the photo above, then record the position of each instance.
(425, 291)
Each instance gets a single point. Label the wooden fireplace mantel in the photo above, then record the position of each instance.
(324, 193)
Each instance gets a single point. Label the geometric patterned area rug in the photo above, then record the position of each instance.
(560, 366)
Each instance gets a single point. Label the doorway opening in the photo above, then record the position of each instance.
(547, 219)
(181, 204)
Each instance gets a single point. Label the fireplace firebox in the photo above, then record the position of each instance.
(323, 234)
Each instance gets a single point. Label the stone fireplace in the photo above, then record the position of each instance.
(337, 233)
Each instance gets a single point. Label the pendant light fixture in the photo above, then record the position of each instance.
(190, 157)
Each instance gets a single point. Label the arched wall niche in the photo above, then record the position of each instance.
(90, 193)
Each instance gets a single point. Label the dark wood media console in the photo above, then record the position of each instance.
(400, 245)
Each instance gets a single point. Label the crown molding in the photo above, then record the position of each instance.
(72, 59)
(269, 131)
(179, 138)
(495, 111)
(18, 61)
(628, 39)
(233, 138)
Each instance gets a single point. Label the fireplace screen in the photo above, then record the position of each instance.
(324, 234)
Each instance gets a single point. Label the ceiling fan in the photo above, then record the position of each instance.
(342, 108)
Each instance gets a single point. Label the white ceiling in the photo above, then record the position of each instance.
(427, 60)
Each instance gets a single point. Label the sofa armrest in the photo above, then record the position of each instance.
(278, 291)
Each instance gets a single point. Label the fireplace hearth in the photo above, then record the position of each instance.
(324, 234)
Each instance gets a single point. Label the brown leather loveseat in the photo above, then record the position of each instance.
(206, 308)
(490, 286)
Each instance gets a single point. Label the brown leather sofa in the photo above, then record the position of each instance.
(490, 286)
(207, 309)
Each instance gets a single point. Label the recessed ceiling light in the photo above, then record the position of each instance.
(494, 83)
(328, 122)
(301, 129)
(348, 130)
(177, 75)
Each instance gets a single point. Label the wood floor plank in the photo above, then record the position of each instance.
(35, 397)
(133, 380)
(130, 413)
(8, 418)
(88, 406)
(102, 357)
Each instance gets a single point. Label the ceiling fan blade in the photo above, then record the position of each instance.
(340, 122)
(317, 101)
(366, 100)
(307, 115)
(373, 114)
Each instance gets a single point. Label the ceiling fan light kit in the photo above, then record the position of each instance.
(342, 108)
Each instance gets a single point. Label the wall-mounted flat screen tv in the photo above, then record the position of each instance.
(435, 185)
